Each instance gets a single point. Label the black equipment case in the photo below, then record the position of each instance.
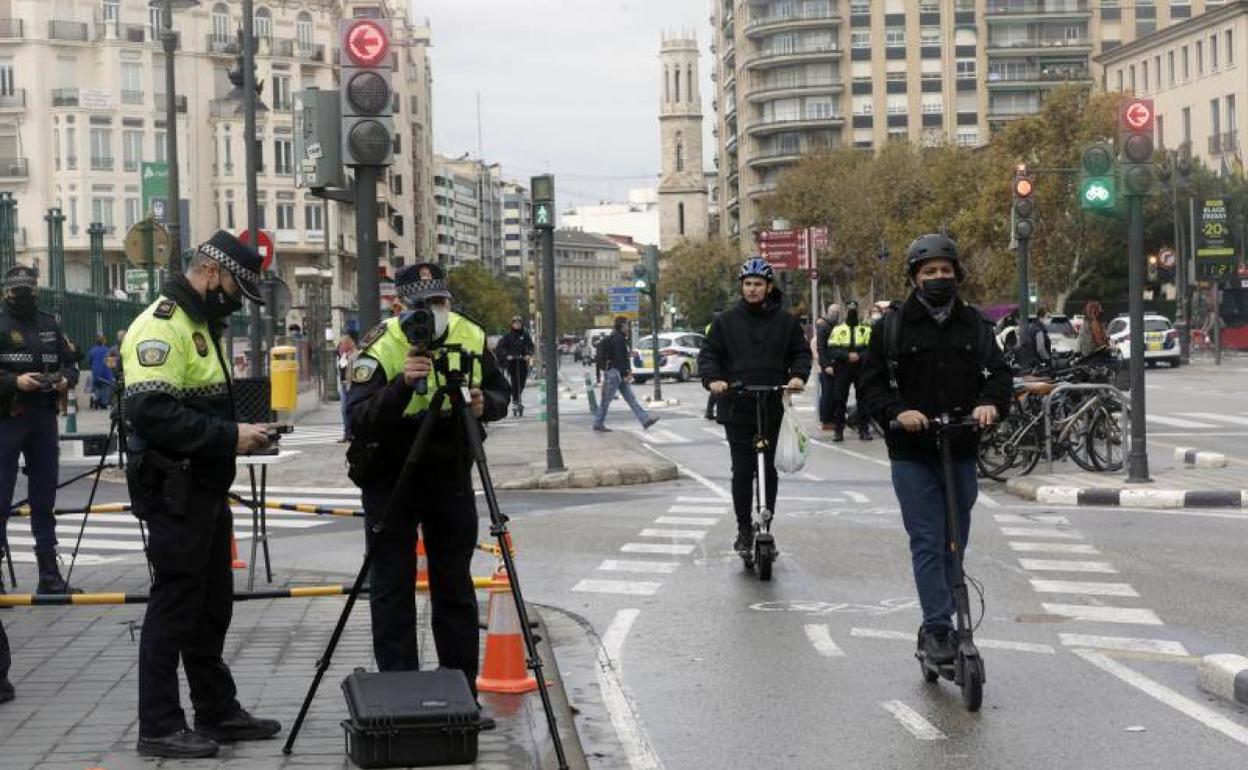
(410, 718)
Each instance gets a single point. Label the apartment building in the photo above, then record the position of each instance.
(468, 198)
(794, 76)
(1194, 72)
(517, 229)
(82, 106)
(585, 264)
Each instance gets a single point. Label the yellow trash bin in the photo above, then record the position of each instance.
(284, 375)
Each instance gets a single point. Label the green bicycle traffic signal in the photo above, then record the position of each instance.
(1097, 188)
(1097, 193)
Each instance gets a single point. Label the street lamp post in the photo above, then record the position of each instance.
(173, 207)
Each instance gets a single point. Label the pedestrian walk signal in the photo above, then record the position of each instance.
(541, 215)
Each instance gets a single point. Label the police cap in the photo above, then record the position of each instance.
(21, 277)
(241, 260)
(421, 281)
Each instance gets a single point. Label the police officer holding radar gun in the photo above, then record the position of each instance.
(933, 357)
(183, 442)
(754, 342)
(402, 363)
(36, 368)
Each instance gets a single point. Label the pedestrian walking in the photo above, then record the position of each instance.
(618, 377)
(935, 356)
(846, 349)
(102, 380)
(387, 405)
(184, 439)
(515, 352)
(827, 371)
(346, 360)
(36, 369)
(755, 342)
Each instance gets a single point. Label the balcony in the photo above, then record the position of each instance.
(223, 45)
(310, 51)
(789, 152)
(131, 97)
(761, 25)
(162, 103)
(100, 163)
(281, 47)
(764, 89)
(156, 37)
(13, 101)
(762, 188)
(1016, 10)
(13, 168)
(1040, 45)
(115, 30)
(1041, 76)
(1224, 143)
(76, 31)
(773, 125)
(11, 29)
(1009, 112)
(775, 57)
(64, 97)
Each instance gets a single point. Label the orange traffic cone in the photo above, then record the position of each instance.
(505, 668)
(237, 563)
(422, 560)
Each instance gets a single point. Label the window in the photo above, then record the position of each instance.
(1144, 76)
(680, 156)
(1170, 67)
(680, 218)
(966, 68)
(161, 145)
(1230, 113)
(281, 93)
(73, 214)
(102, 211)
(1230, 51)
(101, 149)
(6, 77)
(860, 38)
(132, 212)
(313, 214)
(1161, 132)
(71, 148)
(1119, 78)
(303, 29)
(131, 149)
(229, 215)
(283, 156)
(1215, 117)
(1131, 77)
(156, 20)
(929, 36)
(396, 184)
(221, 23)
(112, 10)
(1200, 58)
(227, 143)
(263, 24)
(285, 216)
(1157, 70)
(1187, 71)
(895, 36)
(1187, 124)
(260, 207)
(131, 82)
(1213, 52)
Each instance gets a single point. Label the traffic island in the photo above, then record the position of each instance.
(1093, 489)
(1225, 676)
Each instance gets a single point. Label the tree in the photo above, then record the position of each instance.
(483, 296)
(702, 276)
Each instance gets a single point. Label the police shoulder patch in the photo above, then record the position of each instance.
(152, 352)
(164, 309)
(373, 335)
(362, 370)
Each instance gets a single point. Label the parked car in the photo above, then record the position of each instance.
(1161, 339)
(678, 356)
(588, 347)
(1063, 336)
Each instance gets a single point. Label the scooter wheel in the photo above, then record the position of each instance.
(929, 674)
(972, 684)
(766, 555)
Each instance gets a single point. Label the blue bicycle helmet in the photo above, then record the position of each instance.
(757, 267)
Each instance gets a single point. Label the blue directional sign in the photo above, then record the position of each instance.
(625, 300)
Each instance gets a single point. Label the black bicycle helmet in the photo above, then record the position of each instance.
(933, 246)
(757, 267)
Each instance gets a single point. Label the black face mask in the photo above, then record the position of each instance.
(851, 318)
(221, 303)
(939, 291)
(22, 305)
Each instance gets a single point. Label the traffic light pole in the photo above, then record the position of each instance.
(1181, 323)
(249, 151)
(1024, 288)
(652, 262)
(1137, 461)
(369, 292)
(554, 456)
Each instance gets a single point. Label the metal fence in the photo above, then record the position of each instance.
(83, 315)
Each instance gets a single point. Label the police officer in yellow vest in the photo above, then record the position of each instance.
(847, 347)
(183, 441)
(386, 408)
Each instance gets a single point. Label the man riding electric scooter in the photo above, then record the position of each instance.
(934, 358)
(753, 343)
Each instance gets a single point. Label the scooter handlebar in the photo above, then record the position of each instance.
(939, 423)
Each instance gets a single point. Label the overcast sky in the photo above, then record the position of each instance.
(569, 87)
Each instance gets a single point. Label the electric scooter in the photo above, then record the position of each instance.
(761, 557)
(967, 668)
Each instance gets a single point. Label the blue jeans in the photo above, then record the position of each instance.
(920, 489)
(102, 391)
(611, 383)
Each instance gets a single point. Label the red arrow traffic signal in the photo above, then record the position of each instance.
(1137, 115)
(367, 44)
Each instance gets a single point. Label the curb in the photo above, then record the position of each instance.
(588, 478)
(1225, 676)
(1199, 458)
(1134, 498)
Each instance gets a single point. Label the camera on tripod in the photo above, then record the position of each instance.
(418, 326)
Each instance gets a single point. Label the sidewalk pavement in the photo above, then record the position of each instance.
(75, 670)
(1175, 484)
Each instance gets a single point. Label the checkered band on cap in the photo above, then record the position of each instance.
(428, 288)
(229, 263)
(21, 279)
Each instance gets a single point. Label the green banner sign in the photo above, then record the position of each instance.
(155, 189)
(1215, 245)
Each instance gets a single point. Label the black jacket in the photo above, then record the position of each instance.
(32, 345)
(1034, 347)
(940, 370)
(618, 353)
(514, 344)
(761, 345)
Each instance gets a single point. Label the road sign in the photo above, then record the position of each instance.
(136, 282)
(155, 186)
(264, 246)
(136, 249)
(624, 300)
(1166, 258)
(1215, 245)
(784, 249)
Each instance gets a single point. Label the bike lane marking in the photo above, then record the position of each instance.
(914, 722)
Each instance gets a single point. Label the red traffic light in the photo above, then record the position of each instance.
(1137, 116)
(366, 43)
(1023, 188)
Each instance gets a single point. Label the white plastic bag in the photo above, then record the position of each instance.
(793, 444)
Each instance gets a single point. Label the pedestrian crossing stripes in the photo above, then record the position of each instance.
(674, 534)
(1053, 547)
(660, 436)
(1124, 643)
(1085, 588)
(625, 587)
(1198, 420)
(1057, 534)
(627, 565)
(1059, 565)
(1094, 614)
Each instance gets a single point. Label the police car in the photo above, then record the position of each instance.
(1161, 339)
(678, 356)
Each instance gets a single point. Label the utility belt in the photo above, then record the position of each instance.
(159, 484)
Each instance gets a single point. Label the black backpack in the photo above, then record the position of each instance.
(890, 328)
(600, 354)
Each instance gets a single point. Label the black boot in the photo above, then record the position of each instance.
(840, 433)
(182, 744)
(242, 726)
(50, 580)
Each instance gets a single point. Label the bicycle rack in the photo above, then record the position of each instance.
(1099, 386)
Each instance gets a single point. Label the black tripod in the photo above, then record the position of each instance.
(456, 388)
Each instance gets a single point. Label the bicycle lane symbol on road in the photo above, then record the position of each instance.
(884, 607)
